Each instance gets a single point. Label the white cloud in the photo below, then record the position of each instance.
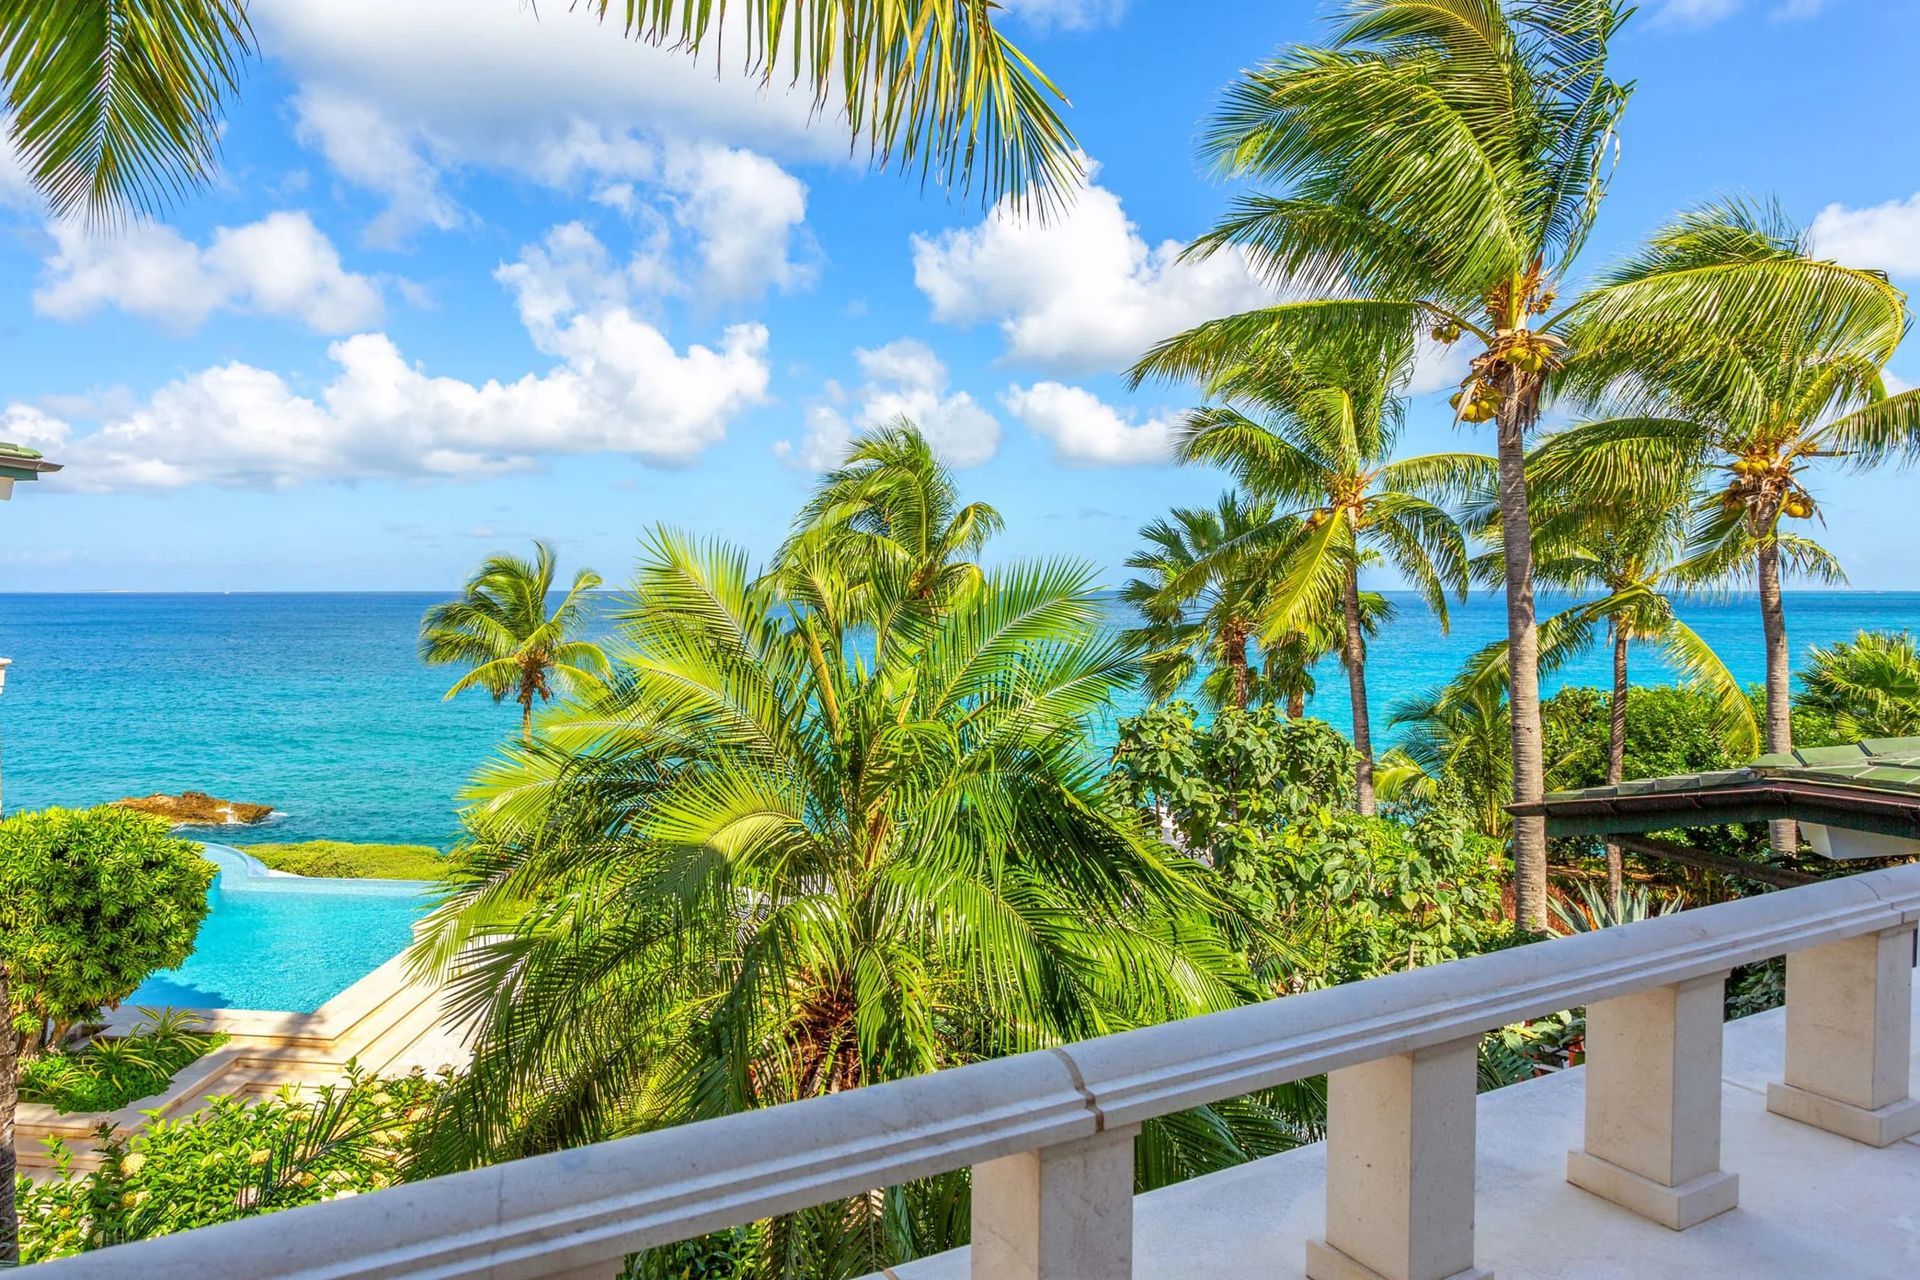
(616, 385)
(399, 97)
(1071, 15)
(744, 212)
(903, 379)
(16, 188)
(282, 265)
(1884, 236)
(1694, 13)
(1088, 432)
(1081, 292)
(24, 424)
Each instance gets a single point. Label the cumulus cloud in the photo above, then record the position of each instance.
(1885, 236)
(1694, 13)
(1082, 292)
(903, 379)
(615, 384)
(1088, 432)
(282, 265)
(400, 98)
(1070, 15)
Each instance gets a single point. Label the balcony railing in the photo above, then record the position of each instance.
(1049, 1134)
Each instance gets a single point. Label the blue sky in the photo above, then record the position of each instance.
(471, 277)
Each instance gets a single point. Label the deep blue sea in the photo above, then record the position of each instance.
(316, 704)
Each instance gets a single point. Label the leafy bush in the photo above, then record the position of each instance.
(91, 902)
(228, 1160)
(108, 1074)
(1224, 788)
(341, 860)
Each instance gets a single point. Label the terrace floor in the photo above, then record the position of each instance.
(1812, 1206)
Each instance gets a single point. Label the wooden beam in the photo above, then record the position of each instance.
(1686, 855)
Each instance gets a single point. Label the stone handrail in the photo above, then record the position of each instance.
(1049, 1133)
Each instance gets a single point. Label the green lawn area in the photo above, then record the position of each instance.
(343, 860)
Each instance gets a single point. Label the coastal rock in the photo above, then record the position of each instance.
(198, 809)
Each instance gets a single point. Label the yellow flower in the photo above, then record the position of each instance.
(259, 1157)
(133, 1164)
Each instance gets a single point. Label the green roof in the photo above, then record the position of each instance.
(18, 451)
(1873, 785)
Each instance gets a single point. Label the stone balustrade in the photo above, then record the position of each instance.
(1049, 1134)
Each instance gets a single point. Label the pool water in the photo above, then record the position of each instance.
(285, 942)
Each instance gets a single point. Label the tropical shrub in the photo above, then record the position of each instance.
(109, 1074)
(91, 902)
(1670, 729)
(1866, 687)
(226, 1161)
(1222, 789)
(1349, 898)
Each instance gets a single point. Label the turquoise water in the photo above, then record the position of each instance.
(285, 942)
(316, 704)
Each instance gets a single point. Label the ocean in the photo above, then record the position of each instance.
(317, 705)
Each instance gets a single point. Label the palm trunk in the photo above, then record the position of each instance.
(1617, 758)
(9, 1103)
(1784, 836)
(1296, 705)
(1236, 654)
(1523, 688)
(526, 720)
(1355, 657)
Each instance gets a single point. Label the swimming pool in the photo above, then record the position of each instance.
(285, 942)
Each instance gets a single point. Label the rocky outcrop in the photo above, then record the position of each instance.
(198, 809)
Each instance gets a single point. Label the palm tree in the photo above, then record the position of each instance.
(1324, 459)
(1201, 600)
(1445, 164)
(751, 872)
(1454, 742)
(893, 505)
(1868, 686)
(115, 105)
(1630, 555)
(502, 630)
(1762, 395)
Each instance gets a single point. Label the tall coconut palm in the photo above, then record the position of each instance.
(1868, 686)
(1443, 165)
(512, 640)
(1322, 458)
(115, 106)
(1760, 395)
(746, 875)
(893, 505)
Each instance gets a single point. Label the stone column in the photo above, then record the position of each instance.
(1653, 1104)
(1059, 1213)
(1400, 1133)
(1849, 1027)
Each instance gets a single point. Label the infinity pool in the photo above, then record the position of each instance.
(285, 942)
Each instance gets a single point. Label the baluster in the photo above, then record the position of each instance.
(1849, 1022)
(1653, 1104)
(1063, 1212)
(1400, 1160)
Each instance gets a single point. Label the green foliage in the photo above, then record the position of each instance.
(91, 902)
(226, 1161)
(1866, 687)
(1351, 898)
(342, 860)
(108, 1074)
(1224, 788)
(1337, 897)
(1670, 729)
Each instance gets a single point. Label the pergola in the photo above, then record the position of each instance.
(1855, 801)
(17, 462)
